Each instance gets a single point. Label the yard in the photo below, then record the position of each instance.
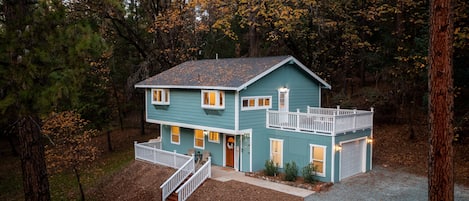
(115, 176)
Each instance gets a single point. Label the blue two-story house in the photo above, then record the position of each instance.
(245, 111)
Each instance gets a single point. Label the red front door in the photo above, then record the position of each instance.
(229, 147)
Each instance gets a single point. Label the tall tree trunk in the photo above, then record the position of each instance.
(77, 175)
(33, 164)
(440, 166)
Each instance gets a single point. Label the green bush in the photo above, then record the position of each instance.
(271, 169)
(291, 171)
(309, 173)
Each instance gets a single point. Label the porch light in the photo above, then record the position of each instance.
(338, 147)
(369, 140)
(283, 89)
(206, 132)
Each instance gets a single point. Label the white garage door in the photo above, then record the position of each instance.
(352, 158)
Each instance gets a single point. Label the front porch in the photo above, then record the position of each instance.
(326, 121)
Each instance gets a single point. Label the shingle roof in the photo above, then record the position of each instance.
(216, 73)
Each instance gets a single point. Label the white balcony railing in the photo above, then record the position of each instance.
(327, 121)
(195, 181)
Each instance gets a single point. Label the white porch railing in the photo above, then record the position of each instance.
(195, 181)
(177, 178)
(327, 121)
(144, 151)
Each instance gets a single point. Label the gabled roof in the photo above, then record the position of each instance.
(223, 74)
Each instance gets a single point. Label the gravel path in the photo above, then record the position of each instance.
(383, 184)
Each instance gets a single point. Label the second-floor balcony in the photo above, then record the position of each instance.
(327, 121)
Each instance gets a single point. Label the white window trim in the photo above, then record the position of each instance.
(203, 140)
(171, 131)
(281, 152)
(217, 99)
(323, 174)
(214, 141)
(256, 103)
(163, 97)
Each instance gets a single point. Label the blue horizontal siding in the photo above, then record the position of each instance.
(187, 142)
(185, 107)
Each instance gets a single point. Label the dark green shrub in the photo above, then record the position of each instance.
(271, 169)
(291, 171)
(309, 173)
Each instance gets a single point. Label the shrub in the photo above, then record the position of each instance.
(309, 172)
(271, 169)
(291, 171)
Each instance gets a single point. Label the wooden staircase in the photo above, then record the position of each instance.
(174, 196)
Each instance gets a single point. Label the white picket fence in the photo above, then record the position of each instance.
(159, 156)
(195, 181)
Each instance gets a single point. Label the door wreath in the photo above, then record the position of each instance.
(230, 143)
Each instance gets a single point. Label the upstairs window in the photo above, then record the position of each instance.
(256, 102)
(160, 96)
(213, 99)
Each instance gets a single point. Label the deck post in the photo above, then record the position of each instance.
(297, 119)
(333, 123)
(354, 119)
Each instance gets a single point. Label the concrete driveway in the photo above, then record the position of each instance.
(383, 184)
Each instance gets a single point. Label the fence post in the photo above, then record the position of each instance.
(135, 149)
(174, 160)
(209, 167)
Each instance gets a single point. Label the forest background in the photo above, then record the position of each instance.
(85, 56)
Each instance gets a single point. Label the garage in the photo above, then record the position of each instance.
(352, 158)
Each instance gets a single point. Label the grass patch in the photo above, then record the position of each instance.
(63, 186)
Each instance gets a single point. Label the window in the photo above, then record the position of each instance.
(256, 102)
(214, 137)
(213, 99)
(175, 135)
(318, 159)
(276, 152)
(160, 96)
(199, 139)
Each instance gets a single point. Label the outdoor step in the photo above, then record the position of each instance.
(172, 197)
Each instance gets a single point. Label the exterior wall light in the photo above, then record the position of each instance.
(369, 140)
(283, 89)
(206, 132)
(338, 147)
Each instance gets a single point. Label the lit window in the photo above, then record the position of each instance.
(276, 152)
(214, 137)
(213, 99)
(199, 139)
(160, 96)
(318, 159)
(175, 135)
(256, 102)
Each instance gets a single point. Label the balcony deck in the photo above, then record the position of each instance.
(327, 121)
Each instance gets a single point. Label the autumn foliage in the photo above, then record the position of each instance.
(70, 143)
